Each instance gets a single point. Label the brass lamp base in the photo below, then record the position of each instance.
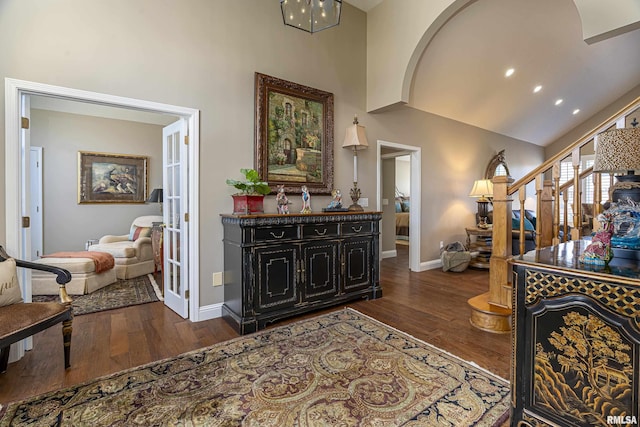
(355, 196)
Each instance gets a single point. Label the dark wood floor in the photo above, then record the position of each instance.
(430, 305)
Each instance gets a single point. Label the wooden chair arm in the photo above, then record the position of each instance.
(63, 276)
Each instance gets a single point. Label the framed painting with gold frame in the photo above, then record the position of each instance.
(294, 135)
(112, 178)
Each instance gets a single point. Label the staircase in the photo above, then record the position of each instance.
(491, 311)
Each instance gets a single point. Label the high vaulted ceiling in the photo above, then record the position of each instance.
(461, 74)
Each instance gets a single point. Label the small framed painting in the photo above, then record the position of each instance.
(112, 178)
(294, 135)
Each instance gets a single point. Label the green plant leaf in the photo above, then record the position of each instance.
(252, 185)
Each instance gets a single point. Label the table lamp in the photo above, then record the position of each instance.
(482, 189)
(618, 151)
(156, 197)
(356, 139)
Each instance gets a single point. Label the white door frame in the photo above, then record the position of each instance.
(36, 185)
(415, 154)
(14, 89)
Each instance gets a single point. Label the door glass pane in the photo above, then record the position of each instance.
(176, 174)
(178, 213)
(170, 148)
(177, 278)
(171, 278)
(170, 210)
(169, 191)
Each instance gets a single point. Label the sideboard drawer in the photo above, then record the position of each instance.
(269, 234)
(319, 230)
(356, 227)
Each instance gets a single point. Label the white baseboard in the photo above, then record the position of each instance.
(208, 312)
(430, 265)
(389, 254)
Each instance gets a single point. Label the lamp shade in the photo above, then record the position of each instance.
(355, 137)
(311, 15)
(482, 188)
(156, 196)
(618, 150)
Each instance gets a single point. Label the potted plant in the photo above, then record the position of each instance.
(250, 198)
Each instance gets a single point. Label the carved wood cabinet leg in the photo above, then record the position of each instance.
(67, 329)
(4, 358)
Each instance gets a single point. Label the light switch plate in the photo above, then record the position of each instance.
(217, 278)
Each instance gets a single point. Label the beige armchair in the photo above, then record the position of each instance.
(132, 252)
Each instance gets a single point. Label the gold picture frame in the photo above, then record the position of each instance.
(294, 135)
(112, 178)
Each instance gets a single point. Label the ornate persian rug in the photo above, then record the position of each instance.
(123, 293)
(338, 369)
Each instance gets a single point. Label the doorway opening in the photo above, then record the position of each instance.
(18, 242)
(386, 191)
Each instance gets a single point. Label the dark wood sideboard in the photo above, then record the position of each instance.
(576, 338)
(276, 266)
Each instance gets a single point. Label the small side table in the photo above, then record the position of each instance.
(481, 244)
(157, 245)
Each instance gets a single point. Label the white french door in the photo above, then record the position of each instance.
(174, 212)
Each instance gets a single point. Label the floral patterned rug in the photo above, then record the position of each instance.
(123, 293)
(338, 369)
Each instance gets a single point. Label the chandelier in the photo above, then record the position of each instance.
(311, 15)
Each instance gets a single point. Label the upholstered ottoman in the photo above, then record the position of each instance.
(84, 278)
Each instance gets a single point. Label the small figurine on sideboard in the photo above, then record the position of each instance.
(282, 200)
(336, 203)
(306, 200)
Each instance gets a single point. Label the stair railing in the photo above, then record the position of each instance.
(549, 196)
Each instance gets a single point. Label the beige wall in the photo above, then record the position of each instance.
(454, 155)
(403, 175)
(67, 224)
(198, 54)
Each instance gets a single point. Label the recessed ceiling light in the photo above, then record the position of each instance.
(509, 72)
(576, 111)
(537, 89)
(558, 101)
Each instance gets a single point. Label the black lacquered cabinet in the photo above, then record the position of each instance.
(278, 266)
(576, 337)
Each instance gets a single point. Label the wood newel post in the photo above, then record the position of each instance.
(545, 215)
(522, 195)
(577, 193)
(499, 268)
(555, 173)
(539, 185)
(597, 195)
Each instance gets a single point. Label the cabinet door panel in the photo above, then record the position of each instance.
(320, 274)
(356, 264)
(275, 277)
